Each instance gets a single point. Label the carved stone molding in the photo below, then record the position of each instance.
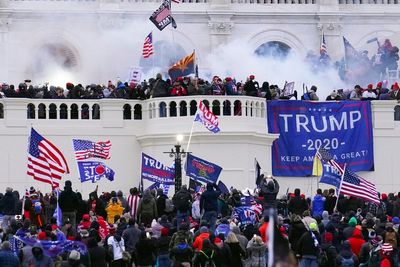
(110, 22)
(223, 27)
(329, 27)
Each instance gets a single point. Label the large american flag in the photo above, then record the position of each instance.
(46, 163)
(148, 46)
(354, 185)
(324, 155)
(85, 149)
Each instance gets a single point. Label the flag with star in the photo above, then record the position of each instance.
(183, 67)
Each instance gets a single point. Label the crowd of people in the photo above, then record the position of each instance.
(200, 228)
(184, 86)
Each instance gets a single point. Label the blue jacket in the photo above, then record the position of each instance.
(209, 199)
(318, 205)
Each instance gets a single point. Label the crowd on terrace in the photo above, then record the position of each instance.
(199, 227)
(184, 86)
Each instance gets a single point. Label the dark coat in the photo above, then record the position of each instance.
(306, 246)
(237, 254)
(131, 236)
(68, 200)
(98, 256)
(9, 204)
(146, 251)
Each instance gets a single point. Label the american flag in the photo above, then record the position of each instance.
(354, 185)
(148, 46)
(46, 163)
(85, 149)
(323, 50)
(324, 155)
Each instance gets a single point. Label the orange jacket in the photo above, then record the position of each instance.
(198, 242)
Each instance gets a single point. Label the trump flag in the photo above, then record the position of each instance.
(201, 170)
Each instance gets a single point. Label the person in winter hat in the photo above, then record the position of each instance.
(386, 253)
(198, 242)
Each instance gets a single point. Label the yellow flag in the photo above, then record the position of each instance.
(317, 167)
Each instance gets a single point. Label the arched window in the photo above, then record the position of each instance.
(273, 49)
(42, 111)
(397, 113)
(263, 110)
(183, 108)
(227, 108)
(63, 112)
(137, 112)
(31, 111)
(163, 110)
(258, 109)
(127, 115)
(172, 109)
(193, 107)
(52, 112)
(237, 108)
(215, 108)
(85, 112)
(74, 112)
(206, 103)
(1, 111)
(95, 112)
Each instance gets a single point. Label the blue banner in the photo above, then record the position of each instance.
(330, 175)
(153, 170)
(201, 170)
(244, 214)
(94, 171)
(344, 128)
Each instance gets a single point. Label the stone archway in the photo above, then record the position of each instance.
(274, 49)
(52, 58)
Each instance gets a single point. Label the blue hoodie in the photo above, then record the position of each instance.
(318, 205)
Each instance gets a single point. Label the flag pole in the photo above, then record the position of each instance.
(340, 186)
(188, 144)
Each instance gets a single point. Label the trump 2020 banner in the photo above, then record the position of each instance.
(344, 128)
(201, 170)
(153, 170)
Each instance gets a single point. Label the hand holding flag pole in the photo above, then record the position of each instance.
(340, 187)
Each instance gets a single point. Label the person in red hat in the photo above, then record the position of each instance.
(369, 94)
(394, 92)
(230, 86)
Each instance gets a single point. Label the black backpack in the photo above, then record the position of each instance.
(210, 261)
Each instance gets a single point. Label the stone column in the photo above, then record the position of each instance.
(4, 27)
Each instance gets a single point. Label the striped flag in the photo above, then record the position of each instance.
(46, 163)
(324, 155)
(85, 149)
(148, 46)
(323, 50)
(354, 185)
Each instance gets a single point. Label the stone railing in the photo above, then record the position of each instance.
(17, 111)
(368, 2)
(169, 107)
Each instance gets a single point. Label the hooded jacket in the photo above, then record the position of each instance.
(147, 205)
(42, 260)
(209, 199)
(112, 210)
(9, 204)
(356, 241)
(98, 204)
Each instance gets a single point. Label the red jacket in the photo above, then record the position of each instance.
(263, 232)
(198, 242)
(356, 241)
